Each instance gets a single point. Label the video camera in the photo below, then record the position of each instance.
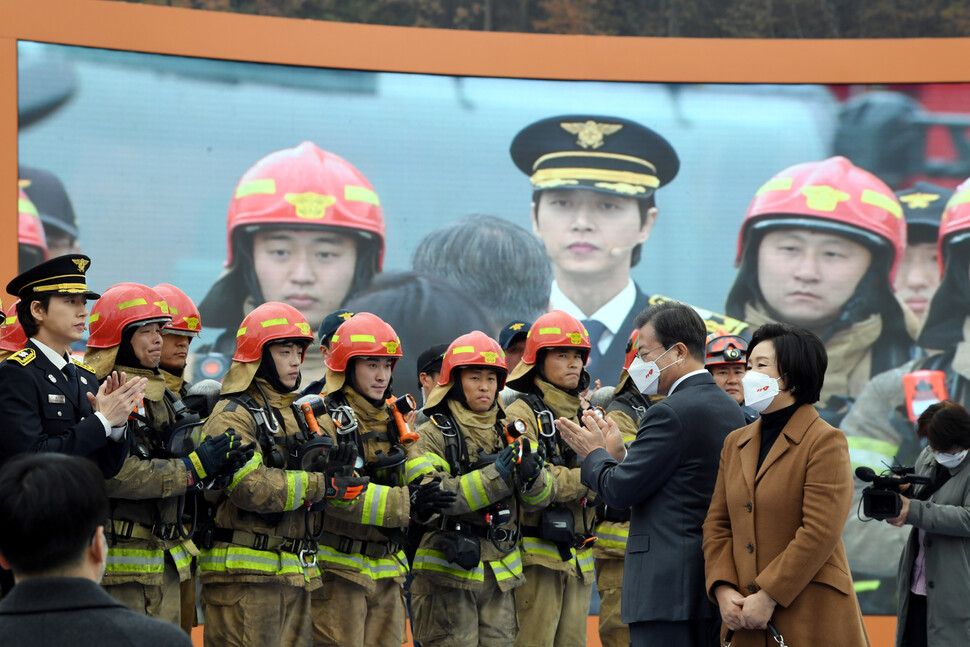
(881, 499)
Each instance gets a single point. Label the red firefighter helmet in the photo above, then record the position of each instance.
(955, 225)
(363, 335)
(306, 186)
(185, 316)
(631, 349)
(120, 306)
(833, 195)
(270, 322)
(474, 349)
(726, 349)
(14, 338)
(555, 329)
(30, 231)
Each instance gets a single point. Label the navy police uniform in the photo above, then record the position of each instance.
(45, 409)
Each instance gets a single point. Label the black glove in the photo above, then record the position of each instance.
(345, 455)
(210, 456)
(505, 461)
(235, 460)
(428, 499)
(345, 487)
(532, 464)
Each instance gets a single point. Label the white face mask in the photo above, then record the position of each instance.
(949, 461)
(759, 390)
(645, 375)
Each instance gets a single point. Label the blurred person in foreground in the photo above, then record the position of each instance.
(772, 552)
(53, 511)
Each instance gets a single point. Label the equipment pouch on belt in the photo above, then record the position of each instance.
(461, 549)
(556, 525)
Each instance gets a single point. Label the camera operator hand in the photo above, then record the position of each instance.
(903, 512)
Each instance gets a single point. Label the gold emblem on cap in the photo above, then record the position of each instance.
(81, 263)
(590, 134)
(575, 337)
(346, 315)
(311, 206)
(919, 200)
(516, 326)
(304, 327)
(391, 346)
(489, 356)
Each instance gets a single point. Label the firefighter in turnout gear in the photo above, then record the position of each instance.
(177, 335)
(556, 543)
(14, 338)
(468, 564)
(361, 554)
(881, 427)
(258, 559)
(819, 248)
(305, 228)
(149, 537)
(613, 526)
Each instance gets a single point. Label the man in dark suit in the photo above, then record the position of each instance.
(666, 477)
(53, 509)
(49, 401)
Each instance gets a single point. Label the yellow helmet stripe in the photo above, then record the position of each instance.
(241, 332)
(265, 186)
(463, 349)
(274, 322)
(361, 194)
(883, 201)
(26, 206)
(124, 305)
(775, 184)
(550, 331)
(362, 338)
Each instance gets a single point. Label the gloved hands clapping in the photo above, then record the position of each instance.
(532, 463)
(505, 461)
(428, 499)
(339, 480)
(210, 456)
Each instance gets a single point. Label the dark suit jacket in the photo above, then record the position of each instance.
(63, 611)
(40, 412)
(607, 368)
(667, 479)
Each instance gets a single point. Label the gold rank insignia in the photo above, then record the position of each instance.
(24, 357)
(590, 134)
(81, 364)
(391, 346)
(346, 315)
(517, 326)
(575, 337)
(489, 356)
(311, 206)
(82, 264)
(919, 200)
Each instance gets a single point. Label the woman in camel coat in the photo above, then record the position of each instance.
(773, 534)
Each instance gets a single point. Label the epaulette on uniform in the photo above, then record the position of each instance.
(24, 357)
(87, 368)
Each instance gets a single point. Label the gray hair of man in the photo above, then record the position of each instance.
(501, 265)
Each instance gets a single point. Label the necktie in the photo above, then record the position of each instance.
(70, 371)
(595, 329)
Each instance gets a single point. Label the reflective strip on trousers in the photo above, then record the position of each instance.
(536, 546)
(536, 499)
(426, 559)
(181, 556)
(508, 567)
(417, 467)
(473, 489)
(245, 470)
(395, 566)
(868, 452)
(611, 536)
(375, 504)
(131, 560)
(585, 559)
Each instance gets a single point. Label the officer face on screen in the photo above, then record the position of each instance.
(146, 344)
(310, 270)
(372, 375)
(63, 321)
(288, 358)
(728, 377)
(806, 276)
(563, 367)
(588, 232)
(175, 350)
(917, 277)
(480, 385)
